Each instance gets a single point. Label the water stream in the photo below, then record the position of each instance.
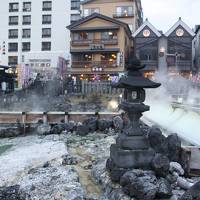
(4, 148)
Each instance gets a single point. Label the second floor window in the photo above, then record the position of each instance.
(90, 11)
(13, 7)
(46, 19)
(13, 33)
(46, 32)
(47, 5)
(13, 20)
(27, 6)
(124, 11)
(26, 46)
(26, 19)
(26, 33)
(46, 46)
(12, 47)
(110, 35)
(83, 36)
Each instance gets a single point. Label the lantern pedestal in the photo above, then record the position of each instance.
(132, 149)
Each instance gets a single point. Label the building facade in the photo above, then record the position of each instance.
(127, 11)
(170, 52)
(197, 48)
(75, 10)
(100, 46)
(32, 33)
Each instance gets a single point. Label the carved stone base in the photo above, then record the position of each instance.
(131, 158)
(132, 142)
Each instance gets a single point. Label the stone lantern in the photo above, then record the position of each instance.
(132, 150)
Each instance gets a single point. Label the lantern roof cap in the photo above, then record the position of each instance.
(134, 78)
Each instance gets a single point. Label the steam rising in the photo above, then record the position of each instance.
(182, 121)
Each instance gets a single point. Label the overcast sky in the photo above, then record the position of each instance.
(164, 13)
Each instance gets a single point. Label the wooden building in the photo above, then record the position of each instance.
(170, 52)
(100, 47)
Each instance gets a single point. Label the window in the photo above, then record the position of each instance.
(26, 46)
(27, 6)
(75, 17)
(110, 35)
(46, 19)
(13, 33)
(12, 60)
(90, 11)
(46, 46)
(75, 4)
(46, 32)
(82, 57)
(83, 36)
(26, 20)
(124, 11)
(26, 33)
(12, 47)
(13, 7)
(149, 54)
(47, 5)
(13, 20)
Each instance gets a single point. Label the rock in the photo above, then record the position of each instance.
(177, 194)
(118, 123)
(57, 129)
(184, 183)
(171, 178)
(176, 167)
(174, 147)
(140, 184)
(69, 160)
(9, 132)
(160, 165)
(110, 165)
(115, 173)
(11, 193)
(44, 129)
(58, 182)
(46, 164)
(193, 193)
(91, 123)
(82, 130)
(156, 140)
(118, 194)
(104, 124)
(164, 189)
(70, 126)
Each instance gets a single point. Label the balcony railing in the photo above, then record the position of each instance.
(95, 41)
(123, 14)
(184, 65)
(91, 64)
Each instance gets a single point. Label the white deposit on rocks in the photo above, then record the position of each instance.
(27, 152)
(52, 183)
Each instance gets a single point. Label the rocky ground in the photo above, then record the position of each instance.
(53, 164)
